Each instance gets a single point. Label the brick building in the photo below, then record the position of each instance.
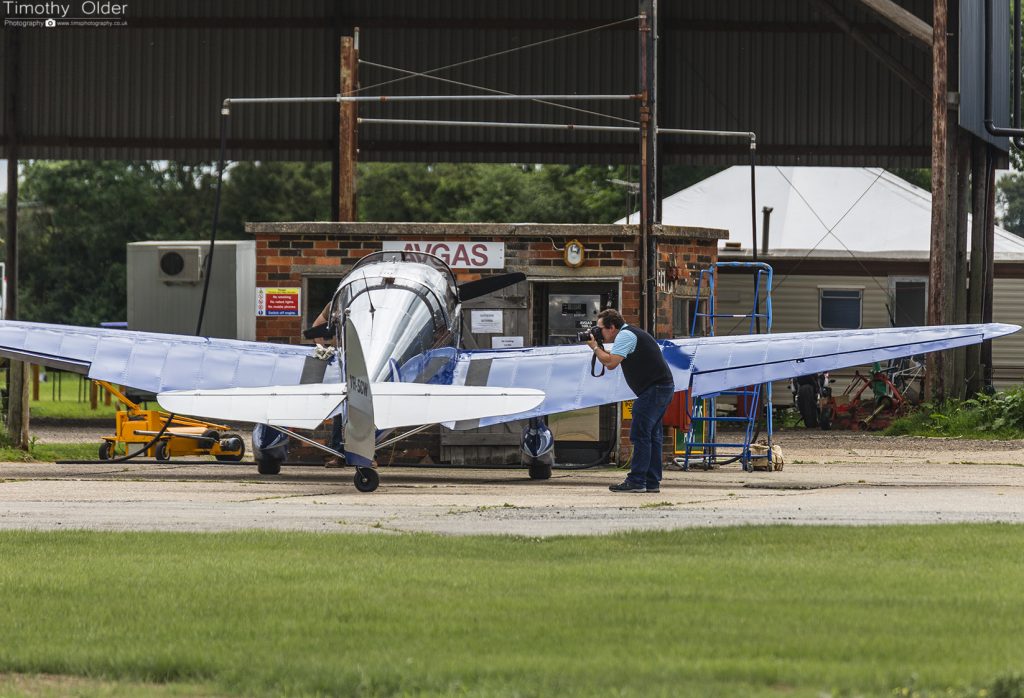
(561, 293)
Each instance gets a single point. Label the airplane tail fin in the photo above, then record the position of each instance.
(360, 433)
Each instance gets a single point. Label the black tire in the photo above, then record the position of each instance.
(268, 466)
(825, 421)
(366, 479)
(540, 471)
(160, 451)
(232, 457)
(807, 403)
(210, 437)
(106, 450)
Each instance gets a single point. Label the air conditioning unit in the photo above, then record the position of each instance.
(180, 263)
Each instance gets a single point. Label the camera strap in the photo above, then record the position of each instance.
(593, 366)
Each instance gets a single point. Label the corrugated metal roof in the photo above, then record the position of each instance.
(153, 89)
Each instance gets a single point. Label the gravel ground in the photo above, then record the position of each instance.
(829, 478)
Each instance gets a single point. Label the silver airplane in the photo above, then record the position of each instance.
(396, 319)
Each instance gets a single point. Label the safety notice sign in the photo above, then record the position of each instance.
(278, 302)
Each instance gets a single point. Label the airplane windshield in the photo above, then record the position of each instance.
(400, 310)
(408, 256)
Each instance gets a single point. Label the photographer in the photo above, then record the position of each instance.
(648, 375)
(337, 441)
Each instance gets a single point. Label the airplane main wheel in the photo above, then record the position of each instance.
(366, 479)
(268, 466)
(106, 450)
(160, 451)
(540, 471)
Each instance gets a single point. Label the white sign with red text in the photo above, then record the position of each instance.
(457, 255)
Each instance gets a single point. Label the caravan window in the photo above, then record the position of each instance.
(839, 309)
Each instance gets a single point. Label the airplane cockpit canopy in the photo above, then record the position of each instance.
(403, 304)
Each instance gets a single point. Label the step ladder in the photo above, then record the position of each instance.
(702, 446)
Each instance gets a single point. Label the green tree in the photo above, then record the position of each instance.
(1010, 196)
(273, 191)
(72, 241)
(506, 193)
(921, 177)
(73, 237)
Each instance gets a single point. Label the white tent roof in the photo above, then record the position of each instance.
(868, 210)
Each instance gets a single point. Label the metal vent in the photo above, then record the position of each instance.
(180, 264)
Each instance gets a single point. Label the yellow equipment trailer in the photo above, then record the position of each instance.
(183, 437)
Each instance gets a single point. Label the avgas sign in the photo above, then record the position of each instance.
(457, 255)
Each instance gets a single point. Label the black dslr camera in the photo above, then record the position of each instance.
(596, 333)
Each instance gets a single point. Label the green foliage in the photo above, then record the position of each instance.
(801, 611)
(65, 396)
(921, 177)
(999, 416)
(79, 215)
(1010, 194)
(273, 191)
(490, 193)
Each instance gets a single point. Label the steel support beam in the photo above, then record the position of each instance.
(898, 69)
(903, 20)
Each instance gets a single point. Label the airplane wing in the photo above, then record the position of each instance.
(704, 365)
(724, 363)
(564, 373)
(159, 362)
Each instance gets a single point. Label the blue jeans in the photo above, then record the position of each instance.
(647, 434)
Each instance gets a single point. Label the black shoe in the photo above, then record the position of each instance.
(654, 488)
(627, 486)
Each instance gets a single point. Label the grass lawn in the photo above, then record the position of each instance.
(51, 452)
(65, 395)
(789, 611)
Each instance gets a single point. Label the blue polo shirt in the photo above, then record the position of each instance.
(625, 342)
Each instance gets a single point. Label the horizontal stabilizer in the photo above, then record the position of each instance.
(295, 406)
(409, 404)
(394, 404)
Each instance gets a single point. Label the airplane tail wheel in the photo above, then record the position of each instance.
(366, 479)
(268, 466)
(160, 451)
(540, 471)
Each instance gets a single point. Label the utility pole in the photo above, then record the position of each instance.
(17, 384)
(347, 130)
(976, 284)
(648, 164)
(935, 388)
